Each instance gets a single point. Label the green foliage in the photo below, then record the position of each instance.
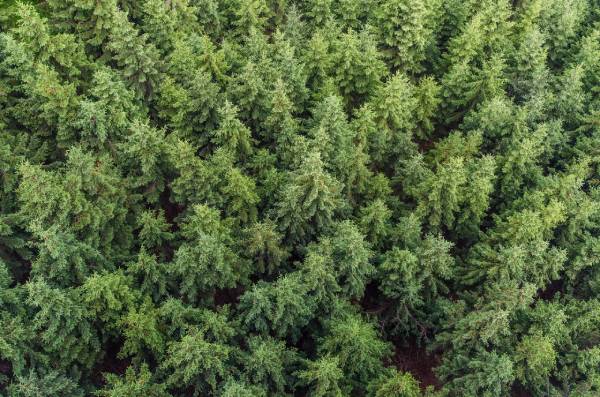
(154, 229)
(282, 307)
(414, 280)
(459, 183)
(374, 221)
(62, 323)
(263, 244)
(536, 359)
(134, 384)
(489, 374)
(44, 384)
(206, 258)
(308, 200)
(145, 149)
(238, 389)
(195, 361)
(266, 363)
(357, 345)
(183, 108)
(141, 332)
(107, 297)
(244, 198)
(395, 384)
(403, 29)
(323, 377)
(232, 134)
(137, 59)
(357, 64)
(350, 256)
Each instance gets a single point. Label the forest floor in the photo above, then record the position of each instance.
(416, 360)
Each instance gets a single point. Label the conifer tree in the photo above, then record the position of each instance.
(107, 297)
(40, 383)
(323, 376)
(193, 361)
(374, 222)
(206, 251)
(249, 15)
(189, 108)
(265, 247)
(85, 198)
(394, 105)
(351, 257)
(357, 345)
(281, 126)
(357, 64)
(339, 144)
(281, 307)
(61, 321)
(145, 149)
(308, 199)
(404, 32)
(239, 389)
(317, 274)
(137, 58)
(395, 384)
(141, 332)
(150, 275)
(232, 134)
(135, 383)
(266, 363)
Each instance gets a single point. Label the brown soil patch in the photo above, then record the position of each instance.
(418, 362)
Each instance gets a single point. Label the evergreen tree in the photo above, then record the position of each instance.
(150, 275)
(340, 146)
(135, 383)
(265, 247)
(351, 258)
(146, 151)
(395, 384)
(282, 307)
(38, 383)
(190, 109)
(85, 198)
(308, 200)
(141, 332)
(232, 134)
(266, 363)
(107, 297)
(323, 376)
(137, 59)
(193, 361)
(394, 105)
(206, 251)
(62, 324)
(375, 222)
(403, 29)
(357, 345)
(357, 64)
(238, 389)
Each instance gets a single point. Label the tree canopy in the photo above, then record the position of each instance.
(329, 198)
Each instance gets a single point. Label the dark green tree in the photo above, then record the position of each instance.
(194, 361)
(323, 377)
(356, 343)
(308, 200)
(206, 260)
(135, 383)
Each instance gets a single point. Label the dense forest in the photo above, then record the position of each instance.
(327, 198)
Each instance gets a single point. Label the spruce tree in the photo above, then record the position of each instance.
(308, 199)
